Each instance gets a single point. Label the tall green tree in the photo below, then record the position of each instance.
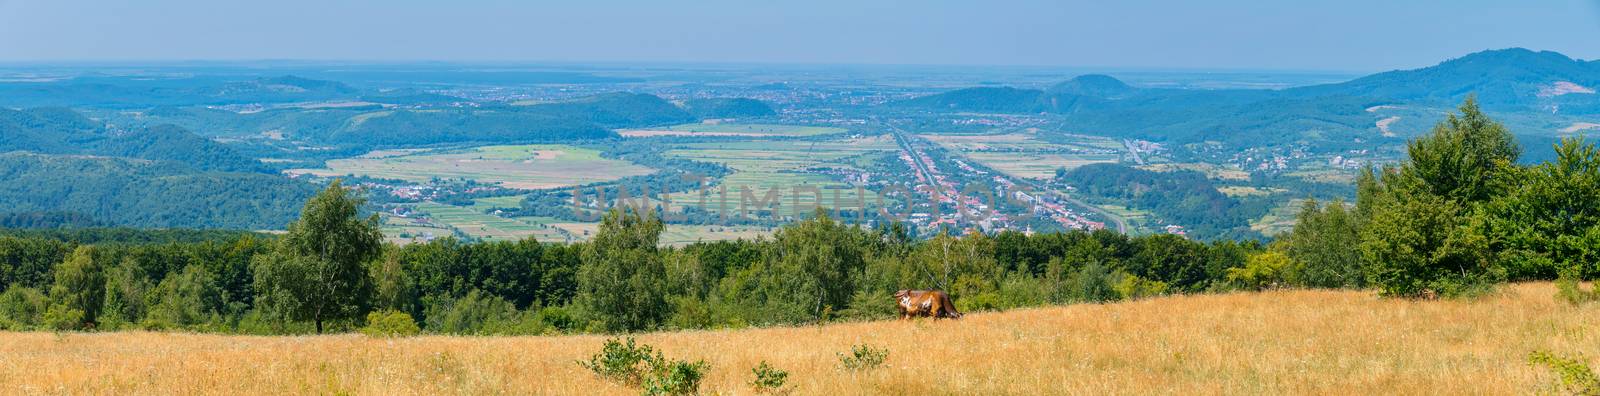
(1549, 223)
(1462, 157)
(79, 289)
(1424, 235)
(317, 272)
(829, 254)
(1320, 246)
(622, 281)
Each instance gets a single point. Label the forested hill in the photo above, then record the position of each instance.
(63, 131)
(56, 160)
(1511, 80)
(143, 193)
(1508, 78)
(1179, 197)
(433, 119)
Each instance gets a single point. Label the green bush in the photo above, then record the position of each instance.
(768, 379)
(673, 377)
(640, 365)
(60, 317)
(1133, 287)
(620, 362)
(479, 313)
(390, 323)
(1093, 282)
(1261, 271)
(863, 357)
(1575, 377)
(22, 308)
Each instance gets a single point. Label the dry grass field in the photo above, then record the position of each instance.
(1281, 342)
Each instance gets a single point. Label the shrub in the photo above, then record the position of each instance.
(480, 313)
(863, 357)
(1569, 289)
(768, 379)
(22, 308)
(1575, 377)
(640, 365)
(673, 377)
(620, 362)
(390, 323)
(1261, 271)
(866, 305)
(1133, 287)
(1094, 282)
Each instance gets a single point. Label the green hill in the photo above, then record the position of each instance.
(143, 193)
(63, 131)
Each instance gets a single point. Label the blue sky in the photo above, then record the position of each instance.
(1346, 35)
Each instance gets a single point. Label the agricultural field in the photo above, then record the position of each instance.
(1275, 342)
(473, 221)
(478, 221)
(523, 166)
(1134, 217)
(1213, 171)
(1325, 174)
(723, 129)
(1022, 154)
(1248, 191)
(786, 165)
(1280, 219)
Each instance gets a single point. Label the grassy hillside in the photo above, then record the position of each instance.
(1284, 342)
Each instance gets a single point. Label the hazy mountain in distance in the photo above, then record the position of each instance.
(1514, 77)
(1094, 85)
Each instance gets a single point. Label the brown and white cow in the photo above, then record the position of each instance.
(928, 303)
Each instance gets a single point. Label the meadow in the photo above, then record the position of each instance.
(521, 166)
(1274, 342)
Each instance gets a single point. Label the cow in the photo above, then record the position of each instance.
(930, 303)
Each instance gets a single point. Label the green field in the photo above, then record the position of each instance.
(478, 221)
(1038, 165)
(761, 166)
(523, 166)
(473, 222)
(1023, 154)
(1136, 218)
(1279, 220)
(719, 129)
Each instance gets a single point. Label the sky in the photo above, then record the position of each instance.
(1345, 35)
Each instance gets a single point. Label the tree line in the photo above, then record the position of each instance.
(331, 269)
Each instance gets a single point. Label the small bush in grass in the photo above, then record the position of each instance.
(673, 377)
(1575, 377)
(620, 362)
(390, 323)
(1570, 289)
(768, 379)
(634, 364)
(863, 357)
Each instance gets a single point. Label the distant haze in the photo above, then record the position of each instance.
(1351, 35)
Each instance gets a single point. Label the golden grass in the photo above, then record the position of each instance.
(1281, 342)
